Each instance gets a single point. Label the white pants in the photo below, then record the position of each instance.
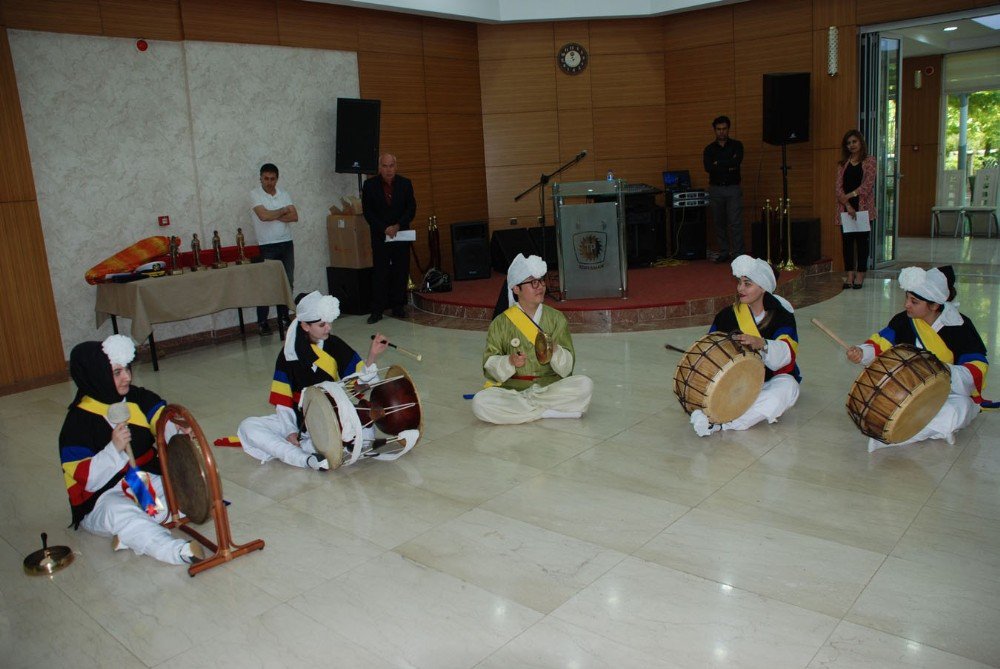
(776, 397)
(958, 411)
(117, 514)
(264, 438)
(506, 406)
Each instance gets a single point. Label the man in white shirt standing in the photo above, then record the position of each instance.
(272, 211)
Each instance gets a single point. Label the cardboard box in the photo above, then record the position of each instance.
(348, 236)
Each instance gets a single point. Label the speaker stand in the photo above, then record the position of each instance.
(543, 180)
(786, 210)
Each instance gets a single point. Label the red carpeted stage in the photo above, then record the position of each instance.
(690, 293)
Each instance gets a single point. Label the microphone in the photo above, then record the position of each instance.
(581, 155)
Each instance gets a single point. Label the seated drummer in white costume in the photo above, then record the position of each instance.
(93, 451)
(310, 356)
(522, 389)
(931, 321)
(765, 323)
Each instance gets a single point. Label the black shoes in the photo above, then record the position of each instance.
(722, 258)
(264, 330)
(373, 319)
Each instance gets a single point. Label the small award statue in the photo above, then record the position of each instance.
(217, 247)
(241, 241)
(196, 253)
(175, 243)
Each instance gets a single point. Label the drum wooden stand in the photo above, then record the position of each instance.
(199, 492)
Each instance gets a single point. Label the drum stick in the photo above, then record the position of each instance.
(829, 333)
(131, 457)
(671, 347)
(416, 356)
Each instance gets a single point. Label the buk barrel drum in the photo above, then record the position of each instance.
(392, 405)
(720, 377)
(323, 424)
(898, 393)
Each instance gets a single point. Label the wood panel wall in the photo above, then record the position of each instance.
(475, 113)
(425, 71)
(646, 101)
(30, 345)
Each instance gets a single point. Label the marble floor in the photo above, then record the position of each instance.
(618, 540)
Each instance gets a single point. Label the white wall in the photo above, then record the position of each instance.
(118, 137)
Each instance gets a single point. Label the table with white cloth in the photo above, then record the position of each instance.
(165, 299)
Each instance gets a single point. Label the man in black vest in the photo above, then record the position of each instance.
(389, 206)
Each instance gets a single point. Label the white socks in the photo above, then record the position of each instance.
(701, 425)
(314, 462)
(552, 413)
(191, 552)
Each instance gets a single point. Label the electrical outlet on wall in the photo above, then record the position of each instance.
(513, 221)
(163, 221)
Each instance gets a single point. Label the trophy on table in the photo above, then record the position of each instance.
(175, 243)
(241, 257)
(217, 247)
(196, 252)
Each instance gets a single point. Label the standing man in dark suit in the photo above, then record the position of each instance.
(389, 206)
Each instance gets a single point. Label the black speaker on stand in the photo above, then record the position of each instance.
(358, 123)
(786, 116)
(786, 108)
(470, 250)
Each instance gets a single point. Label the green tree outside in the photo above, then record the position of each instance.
(982, 133)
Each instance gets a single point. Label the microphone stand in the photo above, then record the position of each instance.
(543, 180)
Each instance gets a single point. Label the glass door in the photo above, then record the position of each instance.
(880, 73)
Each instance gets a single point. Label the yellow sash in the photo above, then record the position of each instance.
(326, 362)
(932, 341)
(136, 417)
(523, 323)
(744, 318)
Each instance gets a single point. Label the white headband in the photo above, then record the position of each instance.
(928, 284)
(760, 273)
(119, 349)
(931, 285)
(522, 269)
(313, 307)
(756, 270)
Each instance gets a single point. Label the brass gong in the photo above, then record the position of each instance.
(47, 560)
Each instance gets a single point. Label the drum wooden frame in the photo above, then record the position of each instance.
(898, 393)
(194, 489)
(719, 376)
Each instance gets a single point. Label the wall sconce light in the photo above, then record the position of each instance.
(832, 51)
(918, 79)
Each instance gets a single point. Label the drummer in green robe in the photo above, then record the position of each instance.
(526, 381)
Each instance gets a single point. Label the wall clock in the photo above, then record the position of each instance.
(572, 58)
